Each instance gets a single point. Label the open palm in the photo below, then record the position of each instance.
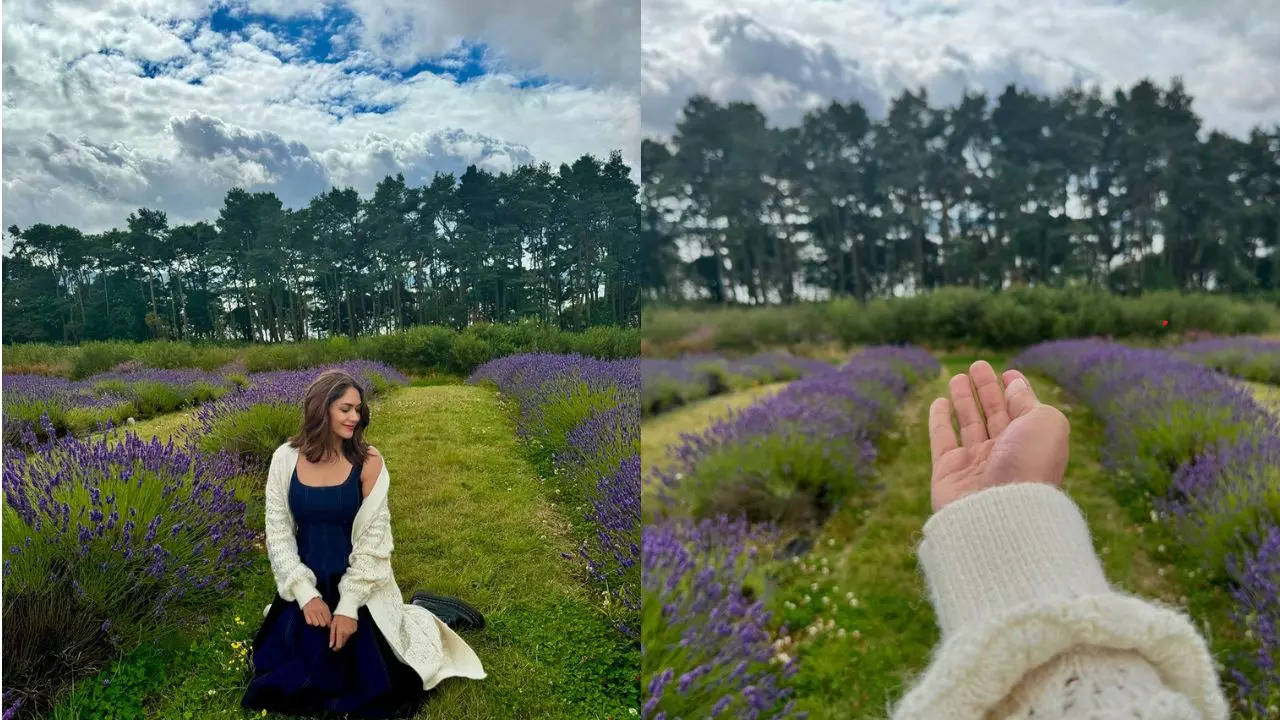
(1013, 438)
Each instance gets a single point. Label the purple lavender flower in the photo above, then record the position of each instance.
(706, 630)
(667, 383)
(163, 481)
(1257, 576)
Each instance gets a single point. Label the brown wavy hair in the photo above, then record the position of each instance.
(314, 438)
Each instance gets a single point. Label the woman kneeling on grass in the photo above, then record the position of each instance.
(1030, 626)
(338, 638)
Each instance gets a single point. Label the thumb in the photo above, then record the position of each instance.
(333, 630)
(1021, 398)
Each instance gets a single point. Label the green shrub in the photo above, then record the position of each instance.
(420, 347)
(253, 433)
(80, 420)
(96, 357)
(468, 351)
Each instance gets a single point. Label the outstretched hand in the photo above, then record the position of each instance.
(1015, 438)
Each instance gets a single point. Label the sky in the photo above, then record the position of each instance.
(789, 56)
(113, 105)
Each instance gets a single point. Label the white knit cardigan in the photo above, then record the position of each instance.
(415, 634)
(1031, 629)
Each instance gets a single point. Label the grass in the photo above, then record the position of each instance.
(1268, 396)
(470, 519)
(855, 603)
(162, 426)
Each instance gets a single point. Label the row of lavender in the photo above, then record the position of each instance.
(786, 460)
(670, 383)
(111, 540)
(77, 406)
(1195, 450)
(581, 417)
(1249, 358)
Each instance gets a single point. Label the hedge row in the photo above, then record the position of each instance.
(418, 349)
(953, 317)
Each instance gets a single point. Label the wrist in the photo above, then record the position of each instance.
(1003, 546)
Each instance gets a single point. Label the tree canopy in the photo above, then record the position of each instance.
(558, 246)
(1125, 192)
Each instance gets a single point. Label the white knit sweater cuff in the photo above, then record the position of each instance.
(304, 592)
(347, 606)
(1004, 546)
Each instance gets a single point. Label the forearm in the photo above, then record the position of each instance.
(294, 580)
(368, 566)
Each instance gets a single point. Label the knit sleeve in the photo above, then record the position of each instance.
(294, 580)
(1030, 627)
(369, 564)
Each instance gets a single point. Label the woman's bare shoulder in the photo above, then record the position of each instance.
(372, 468)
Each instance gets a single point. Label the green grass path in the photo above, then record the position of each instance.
(470, 517)
(856, 605)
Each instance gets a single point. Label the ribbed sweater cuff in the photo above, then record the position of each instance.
(348, 606)
(304, 592)
(1004, 546)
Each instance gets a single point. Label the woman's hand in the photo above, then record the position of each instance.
(316, 612)
(340, 629)
(1020, 439)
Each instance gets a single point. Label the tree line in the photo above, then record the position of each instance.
(558, 246)
(1077, 188)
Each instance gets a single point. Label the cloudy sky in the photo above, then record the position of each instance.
(111, 105)
(792, 55)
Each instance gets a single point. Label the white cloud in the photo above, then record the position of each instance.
(792, 55)
(88, 138)
(583, 41)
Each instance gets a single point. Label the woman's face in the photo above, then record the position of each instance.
(344, 413)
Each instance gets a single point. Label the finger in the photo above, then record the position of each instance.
(1010, 375)
(1020, 397)
(972, 429)
(333, 631)
(942, 437)
(991, 395)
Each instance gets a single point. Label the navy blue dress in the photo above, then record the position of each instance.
(293, 669)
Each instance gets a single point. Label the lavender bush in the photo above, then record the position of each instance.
(793, 456)
(1257, 576)
(1251, 358)
(1187, 443)
(669, 383)
(76, 407)
(708, 651)
(580, 417)
(107, 542)
(62, 402)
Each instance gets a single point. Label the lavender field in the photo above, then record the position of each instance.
(794, 458)
(779, 553)
(134, 565)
